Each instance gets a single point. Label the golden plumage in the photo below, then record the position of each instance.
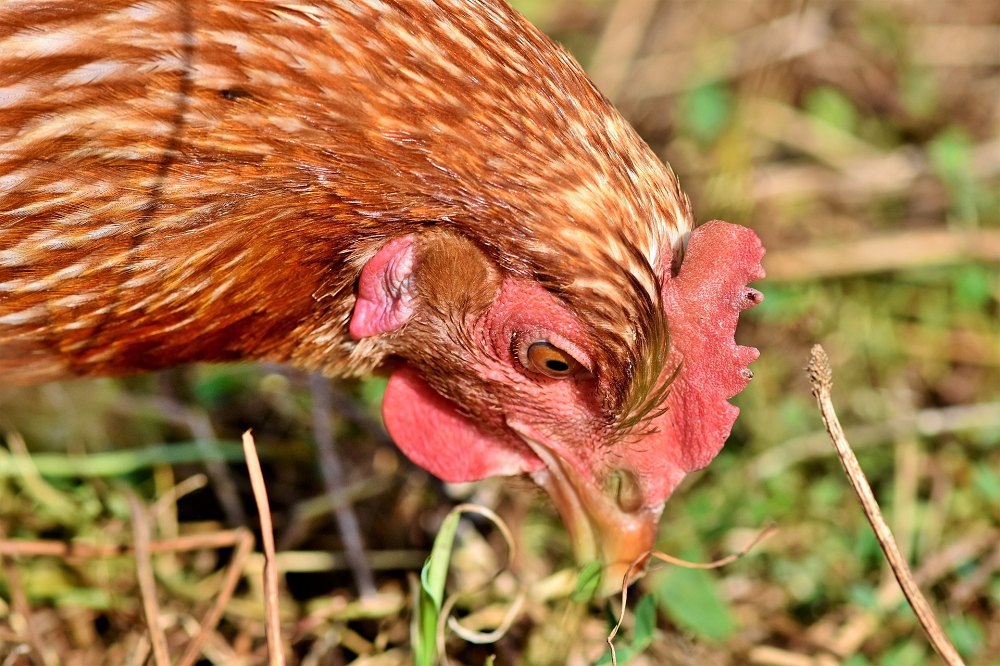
(203, 181)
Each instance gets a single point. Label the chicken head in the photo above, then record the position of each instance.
(500, 377)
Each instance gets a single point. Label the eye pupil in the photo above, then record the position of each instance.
(544, 357)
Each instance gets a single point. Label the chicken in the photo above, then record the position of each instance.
(430, 188)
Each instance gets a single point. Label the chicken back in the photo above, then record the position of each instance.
(427, 186)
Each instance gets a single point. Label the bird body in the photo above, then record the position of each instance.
(428, 186)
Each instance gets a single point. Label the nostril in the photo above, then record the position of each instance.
(755, 297)
(623, 486)
(747, 373)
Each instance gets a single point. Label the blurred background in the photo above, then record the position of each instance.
(861, 141)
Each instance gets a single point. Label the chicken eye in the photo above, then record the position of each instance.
(546, 358)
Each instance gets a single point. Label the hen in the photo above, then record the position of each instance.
(427, 187)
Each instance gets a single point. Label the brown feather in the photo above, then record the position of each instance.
(204, 181)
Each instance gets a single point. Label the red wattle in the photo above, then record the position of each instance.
(429, 429)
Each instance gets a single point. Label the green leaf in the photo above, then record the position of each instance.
(624, 655)
(951, 157)
(126, 461)
(645, 621)
(706, 111)
(988, 482)
(863, 596)
(833, 107)
(905, 654)
(432, 579)
(212, 385)
(966, 635)
(856, 660)
(372, 390)
(435, 571)
(689, 598)
(587, 583)
(973, 286)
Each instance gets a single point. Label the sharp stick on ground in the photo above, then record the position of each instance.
(333, 478)
(147, 584)
(821, 378)
(214, 614)
(272, 619)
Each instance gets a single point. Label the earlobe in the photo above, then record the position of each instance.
(386, 290)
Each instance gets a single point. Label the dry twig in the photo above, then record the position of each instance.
(889, 252)
(821, 378)
(147, 584)
(272, 620)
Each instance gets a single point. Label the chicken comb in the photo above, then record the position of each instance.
(703, 303)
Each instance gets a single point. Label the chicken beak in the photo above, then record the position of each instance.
(599, 527)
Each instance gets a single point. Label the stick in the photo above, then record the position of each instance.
(272, 619)
(42, 547)
(821, 378)
(147, 585)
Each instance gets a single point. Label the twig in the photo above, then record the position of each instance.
(758, 48)
(140, 650)
(212, 617)
(821, 378)
(620, 42)
(200, 426)
(969, 585)
(147, 585)
(52, 548)
(333, 477)
(16, 653)
(272, 620)
(169, 498)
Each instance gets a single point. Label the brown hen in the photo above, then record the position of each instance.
(427, 186)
